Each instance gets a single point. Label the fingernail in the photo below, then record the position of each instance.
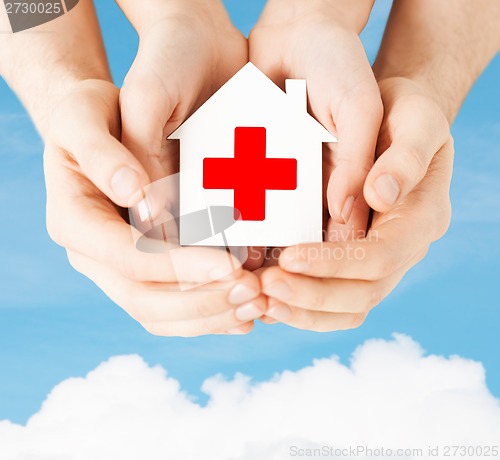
(237, 331)
(281, 313)
(144, 210)
(266, 320)
(125, 182)
(387, 188)
(347, 209)
(248, 312)
(279, 290)
(241, 293)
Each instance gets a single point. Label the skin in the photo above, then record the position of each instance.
(167, 83)
(318, 41)
(91, 176)
(425, 69)
(85, 115)
(333, 286)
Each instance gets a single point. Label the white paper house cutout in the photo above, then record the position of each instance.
(251, 100)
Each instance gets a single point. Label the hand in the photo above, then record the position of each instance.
(84, 165)
(187, 51)
(334, 285)
(318, 41)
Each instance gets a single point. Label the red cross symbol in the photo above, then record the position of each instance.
(250, 173)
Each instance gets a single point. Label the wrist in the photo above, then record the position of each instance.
(409, 86)
(41, 95)
(425, 83)
(43, 66)
(146, 14)
(348, 14)
(354, 14)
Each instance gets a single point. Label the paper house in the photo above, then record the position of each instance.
(254, 148)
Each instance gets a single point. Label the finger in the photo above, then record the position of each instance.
(160, 302)
(219, 325)
(146, 107)
(83, 221)
(350, 107)
(357, 118)
(244, 329)
(326, 294)
(394, 239)
(150, 111)
(160, 90)
(316, 304)
(85, 132)
(271, 257)
(386, 249)
(227, 321)
(356, 227)
(255, 258)
(313, 320)
(268, 320)
(145, 110)
(415, 130)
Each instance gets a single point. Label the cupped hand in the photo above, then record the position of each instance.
(90, 178)
(319, 42)
(334, 285)
(187, 51)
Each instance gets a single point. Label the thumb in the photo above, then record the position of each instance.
(417, 133)
(145, 110)
(82, 126)
(146, 105)
(357, 117)
(147, 102)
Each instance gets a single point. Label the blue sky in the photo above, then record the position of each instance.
(55, 324)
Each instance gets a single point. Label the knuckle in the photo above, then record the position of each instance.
(374, 299)
(416, 162)
(382, 268)
(306, 320)
(213, 325)
(361, 165)
(128, 300)
(130, 268)
(421, 255)
(54, 229)
(74, 261)
(156, 329)
(136, 312)
(356, 320)
(320, 301)
(90, 157)
(312, 324)
(375, 105)
(205, 309)
(443, 219)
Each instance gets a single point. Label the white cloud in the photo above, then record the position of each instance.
(390, 395)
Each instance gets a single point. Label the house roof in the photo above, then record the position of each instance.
(250, 78)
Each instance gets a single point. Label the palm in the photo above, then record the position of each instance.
(176, 70)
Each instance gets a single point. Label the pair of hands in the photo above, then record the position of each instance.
(186, 53)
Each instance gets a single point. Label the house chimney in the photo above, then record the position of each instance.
(296, 91)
